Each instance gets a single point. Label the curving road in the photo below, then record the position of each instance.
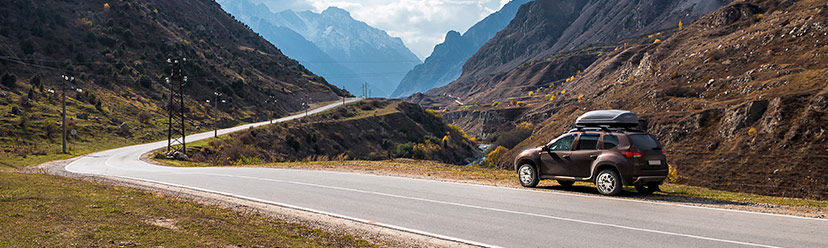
(475, 214)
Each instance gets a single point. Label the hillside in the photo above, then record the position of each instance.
(738, 97)
(446, 61)
(368, 130)
(117, 52)
(539, 31)
(370, 53)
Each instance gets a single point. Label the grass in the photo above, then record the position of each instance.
(419, 168)
(50, 211)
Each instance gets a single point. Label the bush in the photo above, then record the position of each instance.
(9, 79)
(145, 81)
(27, 46)
(493, 157)
(144, 117)
(405, 150)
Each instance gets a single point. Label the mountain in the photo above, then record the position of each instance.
(541, 29)
(737, 97)
(446, 61)
(373, 55)
(294, 45)
(117, 52)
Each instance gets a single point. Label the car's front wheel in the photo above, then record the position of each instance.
(528, 176)
(608, 182)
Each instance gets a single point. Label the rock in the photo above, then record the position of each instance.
(177, 155)
(742, 116)
(115, 121)
(82, 116)
(124, 127)
(15, 110)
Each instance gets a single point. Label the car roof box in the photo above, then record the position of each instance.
(607, 118)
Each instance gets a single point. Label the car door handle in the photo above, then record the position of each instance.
(565, 156)
(593, 156)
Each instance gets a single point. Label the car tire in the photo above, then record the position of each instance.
(565, 183)
(608, 182)
(528, 176)
(647, 189)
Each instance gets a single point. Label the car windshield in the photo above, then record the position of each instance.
(562, 144)
(644, 142)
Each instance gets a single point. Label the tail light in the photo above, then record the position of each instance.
(664, 152)
(631, 154)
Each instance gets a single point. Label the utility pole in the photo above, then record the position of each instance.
(307, 104)
(65, 86)
(215, 119)
(176, 105)
(271, 100)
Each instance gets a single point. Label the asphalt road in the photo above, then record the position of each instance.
(476, 214)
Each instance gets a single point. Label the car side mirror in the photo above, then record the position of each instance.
(545, 148)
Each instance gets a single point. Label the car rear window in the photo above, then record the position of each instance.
(610, 141)
(644, 142)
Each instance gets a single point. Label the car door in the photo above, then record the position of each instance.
(555, 160)
(584, 154)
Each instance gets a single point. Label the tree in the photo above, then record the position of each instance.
(145, 81)
(9, 79)
(27, 46)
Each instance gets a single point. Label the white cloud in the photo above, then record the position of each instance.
(420, 23)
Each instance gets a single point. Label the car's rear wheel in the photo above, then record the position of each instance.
(528, 176)
(647, 189)
(565, 183)
(608, 182)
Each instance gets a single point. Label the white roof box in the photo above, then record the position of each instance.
(611, 118)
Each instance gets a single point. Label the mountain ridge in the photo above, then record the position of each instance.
(446, 60)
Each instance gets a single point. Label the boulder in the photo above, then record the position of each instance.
(15, 110)
(124, 128)
(82, 116)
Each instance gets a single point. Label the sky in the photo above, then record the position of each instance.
(421, 24)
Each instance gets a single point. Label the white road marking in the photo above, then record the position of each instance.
(493, 209)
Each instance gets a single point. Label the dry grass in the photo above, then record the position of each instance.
(51, 211)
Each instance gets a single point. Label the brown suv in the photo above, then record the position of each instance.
(604, 149)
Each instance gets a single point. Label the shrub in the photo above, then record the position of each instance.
(98, 105)
(145, 81)
(494, 104)
(520, 104)
(9, 79)
(404, 150)
(493, 157)
(27, 46)
(144, 117)
(672, 174)
(435, 113)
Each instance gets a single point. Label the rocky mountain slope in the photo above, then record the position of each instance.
(370, 53)
(738, 97)
(117, 52)
(446, 61)
(542, 29)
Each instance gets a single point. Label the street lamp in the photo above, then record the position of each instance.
(215, 119)
(66, 81)
(272, 99)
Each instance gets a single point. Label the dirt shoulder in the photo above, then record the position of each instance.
(377, 235)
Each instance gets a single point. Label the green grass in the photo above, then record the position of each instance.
(50, 211)
(509, 178)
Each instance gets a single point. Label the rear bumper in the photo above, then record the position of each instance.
(642, 180)
(642, 177)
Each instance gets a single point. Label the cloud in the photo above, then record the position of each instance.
(421, 24)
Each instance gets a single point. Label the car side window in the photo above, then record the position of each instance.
(562, 144)
(588, 142)
(610, 141)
